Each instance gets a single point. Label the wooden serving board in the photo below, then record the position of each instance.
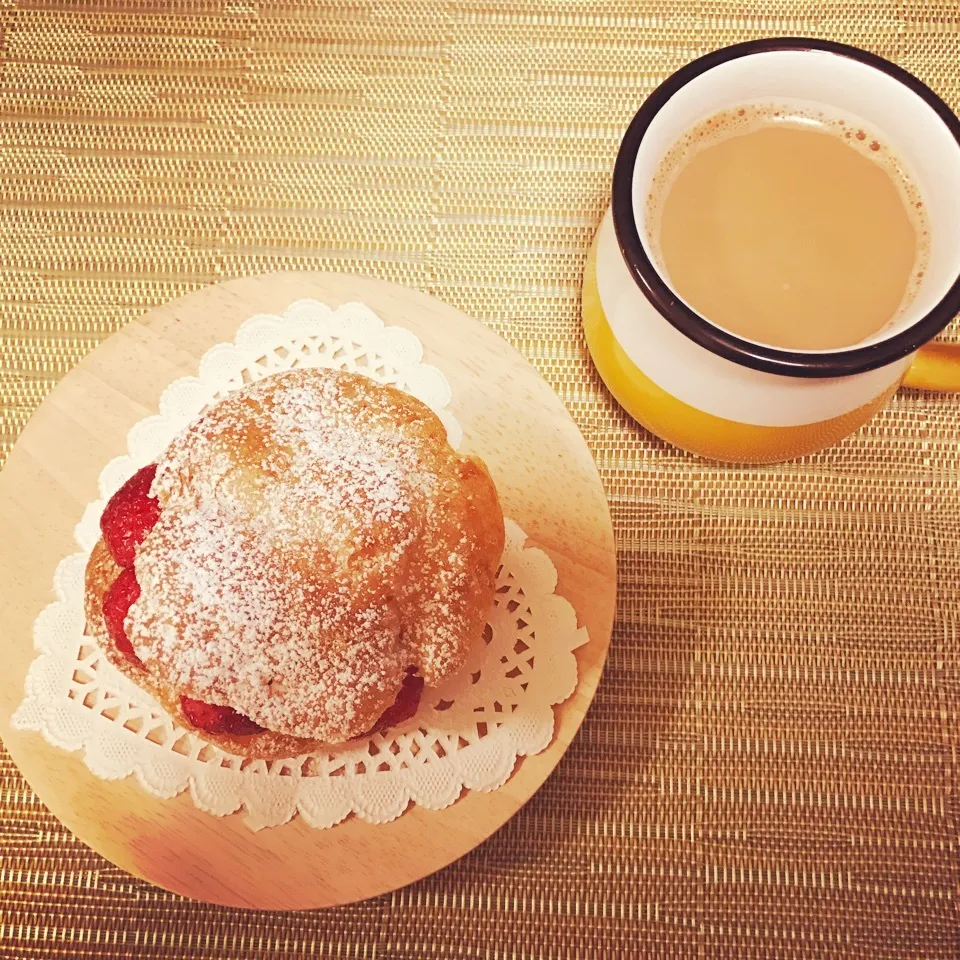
(547, 481)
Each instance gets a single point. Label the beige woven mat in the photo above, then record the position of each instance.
(770, 767)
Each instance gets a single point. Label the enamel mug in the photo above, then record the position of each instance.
(708, 390)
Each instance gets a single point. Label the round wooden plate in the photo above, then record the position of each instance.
(547, 481)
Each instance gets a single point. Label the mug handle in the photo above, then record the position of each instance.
(935, 367)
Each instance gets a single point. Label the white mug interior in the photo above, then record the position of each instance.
(928, 151)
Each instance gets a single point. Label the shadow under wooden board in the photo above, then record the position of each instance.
(547, 481)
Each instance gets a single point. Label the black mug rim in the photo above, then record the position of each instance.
(721, 342)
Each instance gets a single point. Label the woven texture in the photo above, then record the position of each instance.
(770, 765)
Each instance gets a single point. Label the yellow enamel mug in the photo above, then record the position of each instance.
(707, 390)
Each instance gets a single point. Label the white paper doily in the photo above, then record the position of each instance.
(467, 733)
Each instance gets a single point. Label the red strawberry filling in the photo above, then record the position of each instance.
(214, 719)
(117, 601)
(126, 520)
(129, 516)
(406, 704)
(217, 719)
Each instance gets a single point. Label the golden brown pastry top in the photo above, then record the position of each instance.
(317, 536)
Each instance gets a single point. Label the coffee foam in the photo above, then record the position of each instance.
(740, 120)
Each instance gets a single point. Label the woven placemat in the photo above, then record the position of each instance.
(770, 766)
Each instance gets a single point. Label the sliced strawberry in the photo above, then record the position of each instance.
(130, 515)
(406, 704)
(214, 719)
(117, 601)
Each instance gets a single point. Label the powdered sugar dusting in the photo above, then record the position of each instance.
(317, 537)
